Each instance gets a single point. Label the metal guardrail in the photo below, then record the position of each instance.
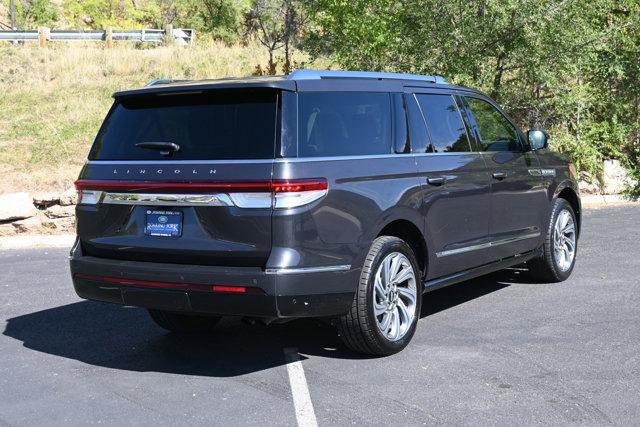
(181, 36)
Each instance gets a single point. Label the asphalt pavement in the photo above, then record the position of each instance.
(499, 350)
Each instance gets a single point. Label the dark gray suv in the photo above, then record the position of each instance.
(333, 194)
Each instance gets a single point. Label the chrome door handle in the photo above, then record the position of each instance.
(499, 175)
(439, 180)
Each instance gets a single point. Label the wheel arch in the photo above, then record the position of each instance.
(409, 232)
(569, 194)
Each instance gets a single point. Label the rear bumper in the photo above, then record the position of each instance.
(189, 288)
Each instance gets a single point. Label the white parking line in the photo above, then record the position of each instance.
(299, 390)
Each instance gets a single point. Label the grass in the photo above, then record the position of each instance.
(53, 100)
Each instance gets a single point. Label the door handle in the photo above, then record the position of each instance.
(499, 175)
(439, 180)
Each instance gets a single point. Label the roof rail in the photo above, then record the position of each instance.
(162, 82)
(337, 74)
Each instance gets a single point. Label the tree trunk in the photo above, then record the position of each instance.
(287, 57)
(497, 78)
(271, 69)
(12, 11)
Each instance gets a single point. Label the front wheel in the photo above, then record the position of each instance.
(560, 245)
(386, 307)
(183, 323)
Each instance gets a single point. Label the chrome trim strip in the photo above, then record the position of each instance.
(371, 156)
(344, 267)
(166, 199)
(486, 245)
(277, 160)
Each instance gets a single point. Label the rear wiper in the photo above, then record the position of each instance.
(166, 148)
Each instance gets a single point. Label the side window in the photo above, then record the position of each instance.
(494, 130)
(418, 136)
(444, 122)
(343, 124)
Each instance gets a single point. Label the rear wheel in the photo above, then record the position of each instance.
(386, 307)
(183, 323)
(560, 245)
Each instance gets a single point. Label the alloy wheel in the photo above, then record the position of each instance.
(564, 240)
(394, 296)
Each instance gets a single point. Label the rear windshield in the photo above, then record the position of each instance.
(215, 125)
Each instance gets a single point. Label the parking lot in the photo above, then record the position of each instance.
(495, 350)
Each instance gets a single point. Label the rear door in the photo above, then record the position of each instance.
(204, 200)
(455, 187)
(518, 197)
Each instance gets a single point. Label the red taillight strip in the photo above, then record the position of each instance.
(205, 187)
(170, 285)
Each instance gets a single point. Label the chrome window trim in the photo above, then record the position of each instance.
(344, 267)
(279, 160)
(372, 156)
(486, 245)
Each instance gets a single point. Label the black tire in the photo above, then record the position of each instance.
(183, 323)
(358, 328)
(545, 268)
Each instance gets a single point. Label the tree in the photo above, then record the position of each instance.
(276, 24)
(222, 19)
(570, 66)
(30, 13)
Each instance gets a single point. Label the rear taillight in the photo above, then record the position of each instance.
(291, 194)
(280, 194)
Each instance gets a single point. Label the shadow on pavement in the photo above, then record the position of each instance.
(125, 338)
(453, 295)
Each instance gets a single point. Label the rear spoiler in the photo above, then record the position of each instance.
(168, 86)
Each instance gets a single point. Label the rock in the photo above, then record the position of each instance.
(615, 178)
(15, 206)
(7, 230)
(588, 188)
(28, 225)
(60, 225)
(69, 197)
(44, 200)
(58, 211)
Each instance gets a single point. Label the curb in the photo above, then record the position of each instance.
(37, 241)
(591, 201)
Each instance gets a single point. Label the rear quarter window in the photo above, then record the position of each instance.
(214, 125)
(343, 124)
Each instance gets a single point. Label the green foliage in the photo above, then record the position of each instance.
(221, 19)
(35, 13)
(42, 12)
(571, 67)
(119, 14)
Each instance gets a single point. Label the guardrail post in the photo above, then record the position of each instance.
(44, 34)
(108, 37)
(168, 34)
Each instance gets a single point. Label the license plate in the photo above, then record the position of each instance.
(163, 223)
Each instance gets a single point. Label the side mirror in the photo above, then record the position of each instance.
(538, 139)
